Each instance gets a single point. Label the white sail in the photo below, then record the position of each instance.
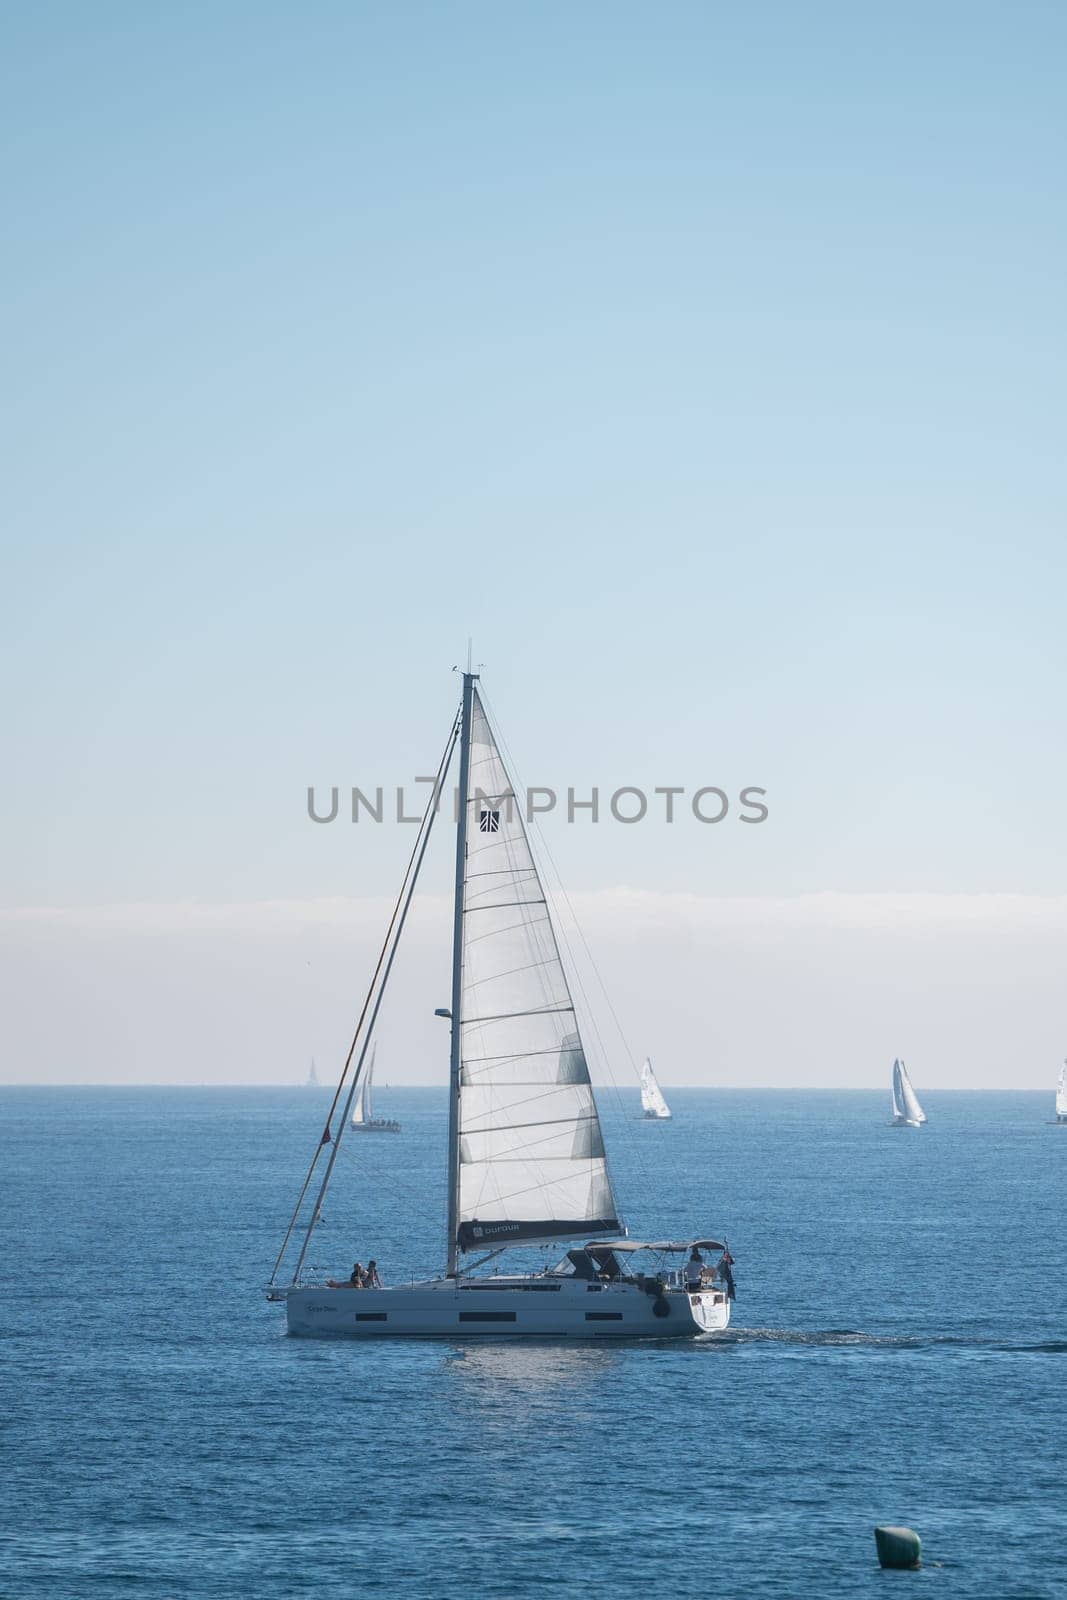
(1061, 1094)
(898, 1104)
(652, 1102)
(531, 1156)
(361, 1108)
(906, 1107)
(313, 1077)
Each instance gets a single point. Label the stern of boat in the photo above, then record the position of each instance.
(709, 1309)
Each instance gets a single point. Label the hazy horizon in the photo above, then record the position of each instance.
(674, 1088)
(731, 991)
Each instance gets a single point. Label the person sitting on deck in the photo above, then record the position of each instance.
(371, 1279)
(694, 1269)
(358, 1280)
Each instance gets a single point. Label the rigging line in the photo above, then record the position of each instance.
(509, 972)
(497, 872)
(504, 905)
(397, 1188)
(517, 882)
(525, 925)
(542, 1122)
(480, 1076)
(547, 1093)
(516, 842)
(530, 1154)
(636, 1149)
(508, 1056)
(543, 843)
(499, 1251)
(425, 826)
(533, 1188)
(509, 1016)
(442, 769)
(537, 925)
(484, 1077)
(531, 1151)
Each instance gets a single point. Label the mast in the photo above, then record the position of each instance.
(455, 1060)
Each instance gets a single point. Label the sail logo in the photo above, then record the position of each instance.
(626, 804)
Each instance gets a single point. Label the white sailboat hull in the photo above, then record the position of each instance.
(905, 1122)
(530, 1308)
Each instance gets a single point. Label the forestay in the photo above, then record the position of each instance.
(531, 1156)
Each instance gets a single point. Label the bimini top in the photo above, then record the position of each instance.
(663, 1245)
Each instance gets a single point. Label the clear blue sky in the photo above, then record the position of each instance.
(704, 362)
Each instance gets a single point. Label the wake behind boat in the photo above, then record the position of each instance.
(526, 1157)
(907, 1112)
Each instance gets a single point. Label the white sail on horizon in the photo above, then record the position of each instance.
(531, 1155)
(906, 1107)
(1061, 1094)
(361, 1109)
(653, 1103)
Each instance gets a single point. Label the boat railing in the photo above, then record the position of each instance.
(678, 1278)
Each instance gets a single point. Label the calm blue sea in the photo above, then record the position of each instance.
(899, 1354)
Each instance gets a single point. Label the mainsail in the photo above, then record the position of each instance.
(652, 1102)
(906, 1107)
(1061, 1094)
(531, 1157)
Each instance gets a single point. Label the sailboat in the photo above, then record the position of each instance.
(526, 1158)
(312, 1077)
(653, 1105)
(907, 1112)
(1061, 1095)
(363, 1118)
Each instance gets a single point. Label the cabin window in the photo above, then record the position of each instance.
(487, 1316)
(603, 1316)
(372, 1316)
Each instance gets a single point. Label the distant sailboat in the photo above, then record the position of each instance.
(653, 1104)
(1061, 1095)
(363, 1118)
(313, 1077)
(907, 1112)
